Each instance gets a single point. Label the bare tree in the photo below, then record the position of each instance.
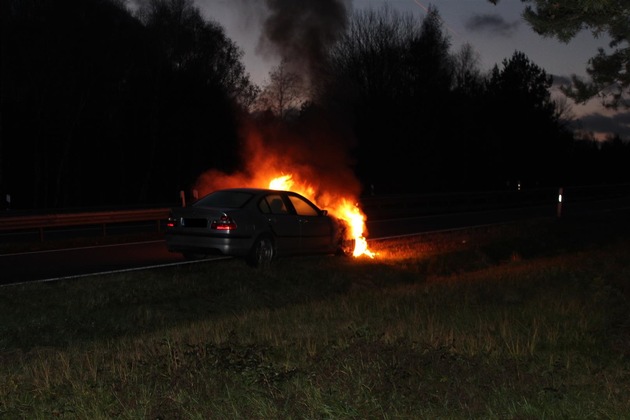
(466, 69)
(369, 56)
(284, 92)
(564, 109)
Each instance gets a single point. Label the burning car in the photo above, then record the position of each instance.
(255, 224)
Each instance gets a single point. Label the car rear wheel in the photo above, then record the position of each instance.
(262, 253)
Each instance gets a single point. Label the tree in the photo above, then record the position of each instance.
(285, 91)
(66, 68)
(192, 43)
(429, 60)
(391, 74)
(467, 144)
(466, 72)
(367, 61)
(609, 71)
(199, 90)
(526, 137)
(100, 108)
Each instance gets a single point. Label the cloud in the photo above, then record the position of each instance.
(603, 126)
(591, 117)
(492, 24)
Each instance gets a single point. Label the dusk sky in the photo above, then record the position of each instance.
(495, 32)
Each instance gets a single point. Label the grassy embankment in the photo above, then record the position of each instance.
(521, 321)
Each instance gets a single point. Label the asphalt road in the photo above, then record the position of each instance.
(87, 261)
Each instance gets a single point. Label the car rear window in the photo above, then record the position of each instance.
(225, 199)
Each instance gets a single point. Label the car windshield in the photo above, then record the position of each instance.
(224, 199)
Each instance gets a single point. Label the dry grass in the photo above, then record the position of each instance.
(522, 321)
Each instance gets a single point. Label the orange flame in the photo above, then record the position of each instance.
(281, 157)
(339, 207)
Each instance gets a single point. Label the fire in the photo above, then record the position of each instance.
(339, 207)
(309, 159)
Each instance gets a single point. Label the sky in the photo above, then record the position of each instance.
(494, 31)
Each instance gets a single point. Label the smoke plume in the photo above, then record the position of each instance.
(313, 153)
(315, 148)
(300, 32)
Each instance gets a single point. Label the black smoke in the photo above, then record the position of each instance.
(300, 32)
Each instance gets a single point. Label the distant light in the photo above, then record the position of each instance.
(559, 210)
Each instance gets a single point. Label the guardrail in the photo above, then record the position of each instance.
(403, 205)
(103, 219)
(375, 207)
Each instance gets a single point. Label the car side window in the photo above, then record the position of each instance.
(277, 204)
(263, 205)
(302, 207)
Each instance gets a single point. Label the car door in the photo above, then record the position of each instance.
(315, 228)
(283, 222)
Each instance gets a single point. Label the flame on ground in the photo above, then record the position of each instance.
(339, 207)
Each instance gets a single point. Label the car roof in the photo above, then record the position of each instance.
(252, 190)
(261, 191)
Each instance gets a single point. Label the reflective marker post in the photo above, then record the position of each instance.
(560, 202)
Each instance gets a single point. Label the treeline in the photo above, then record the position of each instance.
(428, 118)
(101, 105)
(104, 107)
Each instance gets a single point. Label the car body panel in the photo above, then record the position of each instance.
(284, 225)
(316, 233)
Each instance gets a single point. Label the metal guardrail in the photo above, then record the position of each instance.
(103, 219)
(403, 205)
(375, 207)
(378, 207)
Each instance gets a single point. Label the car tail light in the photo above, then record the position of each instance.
(225, 222)
(171, 222)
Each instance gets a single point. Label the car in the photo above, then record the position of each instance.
(255, 224)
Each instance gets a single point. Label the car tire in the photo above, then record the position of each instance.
(263, 252)
(345, 247)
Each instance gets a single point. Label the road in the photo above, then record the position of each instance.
(86, 261)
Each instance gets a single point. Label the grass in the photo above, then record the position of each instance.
(513, 322)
